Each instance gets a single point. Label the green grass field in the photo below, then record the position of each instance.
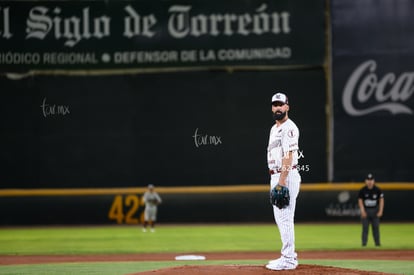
(192, 239)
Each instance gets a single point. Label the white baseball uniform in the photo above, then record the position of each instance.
(285, 138)
(151, 200)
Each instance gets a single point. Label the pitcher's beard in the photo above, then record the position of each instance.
(279, 116)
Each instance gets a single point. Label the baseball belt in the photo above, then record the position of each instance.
(278, 170)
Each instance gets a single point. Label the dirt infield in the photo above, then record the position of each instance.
(403, 255)
(254, 270)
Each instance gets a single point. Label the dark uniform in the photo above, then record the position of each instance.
(371, 202)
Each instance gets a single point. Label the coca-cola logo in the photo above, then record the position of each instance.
(390, 93)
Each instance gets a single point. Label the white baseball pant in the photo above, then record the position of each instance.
(285, 217)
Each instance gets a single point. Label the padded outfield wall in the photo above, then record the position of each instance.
(102, 98)
(322, 202)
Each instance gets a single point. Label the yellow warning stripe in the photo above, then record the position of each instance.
(397, 186)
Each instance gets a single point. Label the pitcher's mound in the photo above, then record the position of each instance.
(255, 270)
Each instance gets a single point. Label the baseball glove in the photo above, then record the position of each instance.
(153, 201)
(279, 196)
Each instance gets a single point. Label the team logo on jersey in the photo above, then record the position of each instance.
(291, 133)
(275, 144)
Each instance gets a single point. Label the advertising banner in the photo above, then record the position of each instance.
(252, 207)
(373, 89)
(95, 35)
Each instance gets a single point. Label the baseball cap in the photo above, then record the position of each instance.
(370, 177)
(150, 186)
(280, 97)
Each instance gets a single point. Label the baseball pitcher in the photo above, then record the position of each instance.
(282, 157)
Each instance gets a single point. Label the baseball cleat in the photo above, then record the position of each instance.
(280, 267)
(274, 262)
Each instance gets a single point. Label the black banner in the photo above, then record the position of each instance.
(48, 35)
(321, 206)
(373, 86)
(199, 128)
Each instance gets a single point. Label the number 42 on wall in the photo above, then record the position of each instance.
(131, 204)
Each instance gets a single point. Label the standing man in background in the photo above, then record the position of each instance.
(151, 200)
(282, 158)
(371, 205)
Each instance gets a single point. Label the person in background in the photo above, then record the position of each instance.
(371, 205)
(151, 200)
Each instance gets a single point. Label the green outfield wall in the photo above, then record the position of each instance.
(212, 204)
